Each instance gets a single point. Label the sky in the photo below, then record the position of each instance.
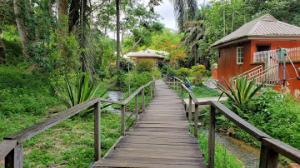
(167, 14)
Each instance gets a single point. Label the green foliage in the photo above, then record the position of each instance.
(275, 114)
(198, 72)
(183, 72)
(222, 155)
(21, 92)
(156, 74)
(64, 54)
(134, 80)
(168, 70)
(278, 115)
(78, 90)
(13, 51)
(145, 65)
(240, 92)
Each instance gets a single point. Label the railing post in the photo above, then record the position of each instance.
(190, 108)
(268, 157)
(15, 158)
(151, 93)
(174, 82)
(123, 120)
(211, 137)
(196, 120)
(143, 100)
(97, 131)
(181, 91)
(153, 90)
(136, 108)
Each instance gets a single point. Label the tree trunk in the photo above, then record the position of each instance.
(62, 10)
(118, 33)
(83, 23)
(74, 14)
(2, 50)
(21, 28)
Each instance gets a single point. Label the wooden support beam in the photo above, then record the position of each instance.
(14, 159)
(211, 138)
(97, 131)
(123, 120)
(136, 108)
(196, 120)
(268, 157)
(143, 100)
(190, 109)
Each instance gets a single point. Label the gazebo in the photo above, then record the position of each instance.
(147, 54)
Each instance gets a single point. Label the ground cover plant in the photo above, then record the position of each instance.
(223, 157)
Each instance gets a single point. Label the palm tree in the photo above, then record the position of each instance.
(185, 11)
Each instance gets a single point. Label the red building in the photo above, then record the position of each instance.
(253, 51)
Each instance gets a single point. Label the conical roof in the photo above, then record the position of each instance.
(264, 26)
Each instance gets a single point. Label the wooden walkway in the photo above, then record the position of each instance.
(160, 138)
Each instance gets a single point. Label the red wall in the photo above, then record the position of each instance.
(227, 66)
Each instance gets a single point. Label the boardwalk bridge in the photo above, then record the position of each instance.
(160, 136)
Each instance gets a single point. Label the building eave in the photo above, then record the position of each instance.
(247, 38)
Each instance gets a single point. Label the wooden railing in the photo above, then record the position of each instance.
(263, 56)
(11, 150)
(270, 147)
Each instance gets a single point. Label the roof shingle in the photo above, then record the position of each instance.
(264, 26)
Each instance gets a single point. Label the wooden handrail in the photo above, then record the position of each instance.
(270, 147)
(11, 150)
(48, 123)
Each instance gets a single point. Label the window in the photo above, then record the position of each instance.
(262, 48)
(239, 55)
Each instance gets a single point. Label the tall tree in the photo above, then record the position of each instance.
(185, 10)
(21, 27)
(118, 26)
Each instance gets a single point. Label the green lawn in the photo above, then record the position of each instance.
(27, 98)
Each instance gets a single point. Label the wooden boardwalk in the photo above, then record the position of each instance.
(160, 138)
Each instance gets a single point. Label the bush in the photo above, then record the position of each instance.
(22, 92)
(126, 65)
(145, 65)
(275, 114)
(156, 74)
(198, 72)
(134, 80)
(168, 70)
(183, 73)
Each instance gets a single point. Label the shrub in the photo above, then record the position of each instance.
(240, 92)
(168, 70)
(77, 90)
(145, 65)
(134, 80)
(22, 92)
(198, 71)
(126, 65)
(183, 73)
(156, 74)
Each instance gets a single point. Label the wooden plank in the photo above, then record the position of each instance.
(125, 164)
(282, 148)
(5, 147)
(159, 139)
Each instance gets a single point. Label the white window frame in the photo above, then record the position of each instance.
(240, 55)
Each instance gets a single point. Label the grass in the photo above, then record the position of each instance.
(70, 144)
(27, 98)
(223, 157)
(201, 92)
